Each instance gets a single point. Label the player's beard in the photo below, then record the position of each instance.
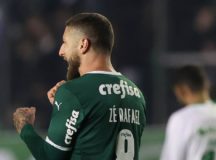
(73, 68)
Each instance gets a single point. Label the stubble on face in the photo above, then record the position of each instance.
(73, 68)
(72, 37)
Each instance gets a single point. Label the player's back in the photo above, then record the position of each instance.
(113, 111)
(199, 131)
(203, 136)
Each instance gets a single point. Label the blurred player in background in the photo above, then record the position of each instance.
(98, 114)
(191, 131)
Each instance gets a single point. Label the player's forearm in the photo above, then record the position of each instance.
(34, 142)
(38, 147)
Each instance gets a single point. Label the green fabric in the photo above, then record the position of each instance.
(96, 117)
(39, 148)
(32, 140)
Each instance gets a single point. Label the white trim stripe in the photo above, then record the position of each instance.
(57, 146)
(104, 72)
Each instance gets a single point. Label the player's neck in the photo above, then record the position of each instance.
(199, 98)
(95, 62)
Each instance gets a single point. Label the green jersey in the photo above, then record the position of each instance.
(99, 116)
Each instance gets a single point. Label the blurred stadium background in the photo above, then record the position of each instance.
(153, 37)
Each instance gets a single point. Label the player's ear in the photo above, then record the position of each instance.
(84, 45)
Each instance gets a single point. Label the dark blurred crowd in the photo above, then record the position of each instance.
(33, 31)
(192, 25)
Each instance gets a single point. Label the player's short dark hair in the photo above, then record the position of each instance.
(192, 76)
(97, 27)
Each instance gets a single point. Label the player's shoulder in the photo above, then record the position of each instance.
(65, 90)
(95, 78)
(193, 111)
(73, 84)
(182, 115)
(201, 108)
(102, 83)
(185, 112)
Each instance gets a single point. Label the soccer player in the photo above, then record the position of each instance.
(191, 131)
(98, 114)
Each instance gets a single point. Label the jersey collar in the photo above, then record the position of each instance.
(104, 72)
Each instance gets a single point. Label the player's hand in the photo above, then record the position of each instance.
(23, 116)
(51, 93)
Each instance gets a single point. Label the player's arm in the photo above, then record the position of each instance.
(39, 148)
(51, 93)
(66, 119)
(174, 144)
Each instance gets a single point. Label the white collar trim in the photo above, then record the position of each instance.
(104, 72)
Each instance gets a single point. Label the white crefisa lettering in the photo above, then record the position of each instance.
(70, 124)
(122, 89)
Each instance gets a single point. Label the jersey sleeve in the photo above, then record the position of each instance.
(174, 144)
(66, 119)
